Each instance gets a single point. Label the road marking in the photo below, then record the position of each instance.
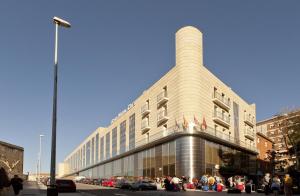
(118, 194)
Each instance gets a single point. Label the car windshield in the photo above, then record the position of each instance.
(64, 182)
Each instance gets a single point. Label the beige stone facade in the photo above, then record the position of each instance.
(183, 98)
(11, 158)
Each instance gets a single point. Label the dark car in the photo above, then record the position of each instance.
(124, 184)
(97, 182)
(65, 185)
(87, 181)
(143, 185)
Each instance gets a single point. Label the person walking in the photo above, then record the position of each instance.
(275, 186)
(4, 182)
(266, 182)
(17, 184)
(175, 182)
(288, 184)
(183, 183)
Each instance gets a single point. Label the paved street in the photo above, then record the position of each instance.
(31, 188)
(102, 191)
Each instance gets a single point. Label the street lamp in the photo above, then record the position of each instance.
(40, 154)
(52, 190)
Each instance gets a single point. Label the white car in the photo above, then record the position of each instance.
(79, 178)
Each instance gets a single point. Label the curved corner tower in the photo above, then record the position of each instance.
(189, 60)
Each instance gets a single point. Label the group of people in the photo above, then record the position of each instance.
(5, 183)
(173, 183)
(275, 184)
(206, 183)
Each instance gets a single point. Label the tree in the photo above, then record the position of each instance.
(290, 127)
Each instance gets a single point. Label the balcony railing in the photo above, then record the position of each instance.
(221, 118)
(145, 109)
(249, 134)
(220, 135)
(221, 100)
(145, 126)
(249, 120)
(162, 98)
(162, 116)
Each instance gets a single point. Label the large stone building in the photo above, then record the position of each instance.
(11, 158)
(274, 128)
(187, 123)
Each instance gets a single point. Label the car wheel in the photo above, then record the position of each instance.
(140, 188)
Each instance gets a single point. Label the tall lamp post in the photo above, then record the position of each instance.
(40, 155)
(52, 190)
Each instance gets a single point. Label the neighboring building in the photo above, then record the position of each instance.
(273, 127)
(11, 158)
(264, 147)
(188, 123)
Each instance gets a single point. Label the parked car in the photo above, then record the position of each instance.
(87, 181)
(79, 178)
(45, 181)
(123, 183)
(143, 185)
(97, 181)
(108, 182)
(65, 185)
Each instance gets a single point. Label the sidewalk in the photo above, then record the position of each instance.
(35, 189)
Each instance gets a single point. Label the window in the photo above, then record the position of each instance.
(97, 148)
(102, 148)
(132, 132)
(123, 137)
(107, 145)
(88, 153)
(114, 142)
(257, 140)
(266, 144)
(93, 151)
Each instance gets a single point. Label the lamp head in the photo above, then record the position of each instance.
(61, 22)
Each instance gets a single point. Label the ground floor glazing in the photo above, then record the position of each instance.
(187, 155)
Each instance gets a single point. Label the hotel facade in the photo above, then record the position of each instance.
(187, 123)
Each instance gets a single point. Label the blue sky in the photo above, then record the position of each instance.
(116, 49)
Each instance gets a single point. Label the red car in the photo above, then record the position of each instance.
(109, 182)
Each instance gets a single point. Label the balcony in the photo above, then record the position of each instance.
(145, 110)
(249, 121)
(162, 117)
(221, 101)
(221, 118)
(162, 98)
(145, 126)
(249, 134)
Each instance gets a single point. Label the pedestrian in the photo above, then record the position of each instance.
(275, 186)
(167, 184)
(17, 184)
(288, 184)
(266, 182)
(211, 182)
(4, 182)
(183, 183)
(248, 186)
(175, 183)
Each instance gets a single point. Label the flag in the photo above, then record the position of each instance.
(185, 123)
(196, 121)
(203, 125)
